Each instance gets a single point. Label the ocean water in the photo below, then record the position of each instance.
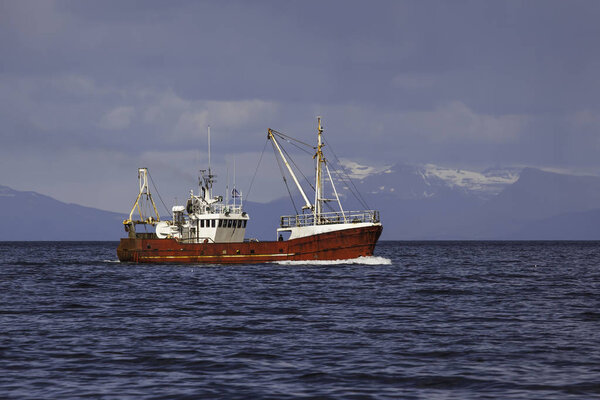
(428, 320)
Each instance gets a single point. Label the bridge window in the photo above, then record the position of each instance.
(213, 223)
(245, 223)
(201, 223)
(220, 223)
(239, 223)
(229, 223)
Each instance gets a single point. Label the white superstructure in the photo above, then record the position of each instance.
(206, 218)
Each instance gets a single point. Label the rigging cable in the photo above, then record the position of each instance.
(157, 192)
(345, 178)
(300, 148)
(290, 158)
(361, 200)
(326, 202)
(283, 176)
(297, 168)
(287, 137)
(291, 141)
(256, 170)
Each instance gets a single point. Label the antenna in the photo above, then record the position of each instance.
(233, 193)
(209, 150)
(209, 178)
(227, 188)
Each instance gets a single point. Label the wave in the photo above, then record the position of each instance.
(371, 260)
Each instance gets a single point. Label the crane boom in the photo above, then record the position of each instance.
(308, 205)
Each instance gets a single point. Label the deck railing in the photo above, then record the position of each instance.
(222, 209)
(335, 217)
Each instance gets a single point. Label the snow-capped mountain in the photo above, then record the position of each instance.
(484, 184)
(426, 181)
(433, 202)
(416, 203)
(359, 171)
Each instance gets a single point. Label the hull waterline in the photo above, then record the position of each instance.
(337, 245)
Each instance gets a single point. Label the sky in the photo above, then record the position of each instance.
(92, 90)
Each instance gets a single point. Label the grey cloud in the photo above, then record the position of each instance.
(462, 82)
(496, 57)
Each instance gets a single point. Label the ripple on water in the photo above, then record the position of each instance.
(417, 320)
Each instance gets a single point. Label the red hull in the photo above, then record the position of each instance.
(338, 245)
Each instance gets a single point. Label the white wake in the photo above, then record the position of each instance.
(372, 260)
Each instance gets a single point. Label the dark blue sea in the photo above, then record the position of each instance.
(419, 320)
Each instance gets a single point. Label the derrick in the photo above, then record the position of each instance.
(144, 203)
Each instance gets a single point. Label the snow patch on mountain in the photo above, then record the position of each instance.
(491, 181)
(429, 180)
(359, 171)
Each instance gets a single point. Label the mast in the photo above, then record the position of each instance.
(209, 181)
(319, 180)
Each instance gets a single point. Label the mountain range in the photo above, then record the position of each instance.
(429, 202)
(424, 202)
(34, 216)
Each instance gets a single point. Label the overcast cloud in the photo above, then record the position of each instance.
(89, 91)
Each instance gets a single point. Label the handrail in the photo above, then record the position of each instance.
(328, 218)
(222, 209)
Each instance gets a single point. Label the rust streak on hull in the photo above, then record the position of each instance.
(337, 245)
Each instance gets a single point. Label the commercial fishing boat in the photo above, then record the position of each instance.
(211, 230)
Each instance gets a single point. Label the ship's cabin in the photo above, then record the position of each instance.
(205, 220)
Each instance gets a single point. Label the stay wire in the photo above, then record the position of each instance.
(348, 181)
(327, 203)
(158, 193)
(301, 173)
(256, 170)
(284, 136)
(300, 148)
(357, 194)
(284, 179)
(297, 168)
